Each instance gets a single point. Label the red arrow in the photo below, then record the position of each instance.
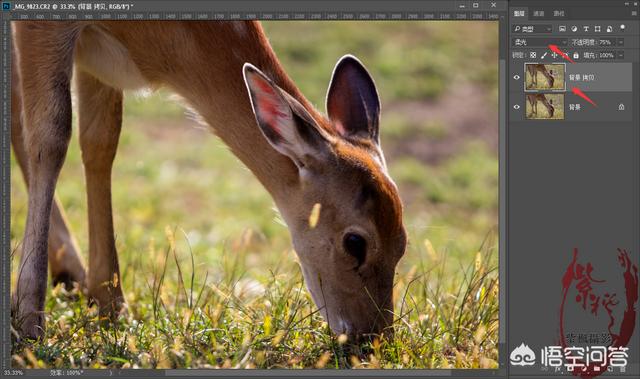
(578, 91)
(556, 49)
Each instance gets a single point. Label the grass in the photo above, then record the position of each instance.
(178, 318)
(206, 265)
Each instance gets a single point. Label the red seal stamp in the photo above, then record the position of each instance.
(590, 294)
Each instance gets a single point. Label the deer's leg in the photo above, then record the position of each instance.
(45, 69)
(533, 107)
(99, 121)
(64, 261)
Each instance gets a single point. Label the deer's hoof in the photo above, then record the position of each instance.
(33, 328)
(64, 278)
(68, 272)
(28, 324)
(110, 301)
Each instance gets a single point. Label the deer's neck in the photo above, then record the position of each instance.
(203, 63)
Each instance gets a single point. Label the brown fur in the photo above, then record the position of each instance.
(64, 261)
(203, 63)
(44, 68)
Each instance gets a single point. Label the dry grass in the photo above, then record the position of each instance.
(207, 269)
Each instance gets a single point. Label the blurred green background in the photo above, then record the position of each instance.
(438, 87)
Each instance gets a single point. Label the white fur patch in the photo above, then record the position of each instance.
(104, 57)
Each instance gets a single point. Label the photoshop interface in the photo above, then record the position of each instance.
(418, 188)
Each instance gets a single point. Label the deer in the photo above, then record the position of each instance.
(229, 74)
(533, 100)
(534, 69)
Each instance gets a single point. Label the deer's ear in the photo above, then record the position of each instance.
(353, 104)
(284, 122)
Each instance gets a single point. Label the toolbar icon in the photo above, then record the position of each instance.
(609, 29)
(596, 29)
(562, 28)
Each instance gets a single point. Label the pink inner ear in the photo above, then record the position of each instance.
(339, 127)
(269, 104)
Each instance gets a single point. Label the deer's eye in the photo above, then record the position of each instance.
(356, 246)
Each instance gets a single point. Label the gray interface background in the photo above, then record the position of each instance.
(572, 183)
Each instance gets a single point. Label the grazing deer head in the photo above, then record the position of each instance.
(344, 213)
(551, 78)
(551, 108)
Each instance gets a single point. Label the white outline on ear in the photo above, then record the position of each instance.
(333, 75)
(275, 135)
(293, 139)
(340, 61)
(248, 68)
